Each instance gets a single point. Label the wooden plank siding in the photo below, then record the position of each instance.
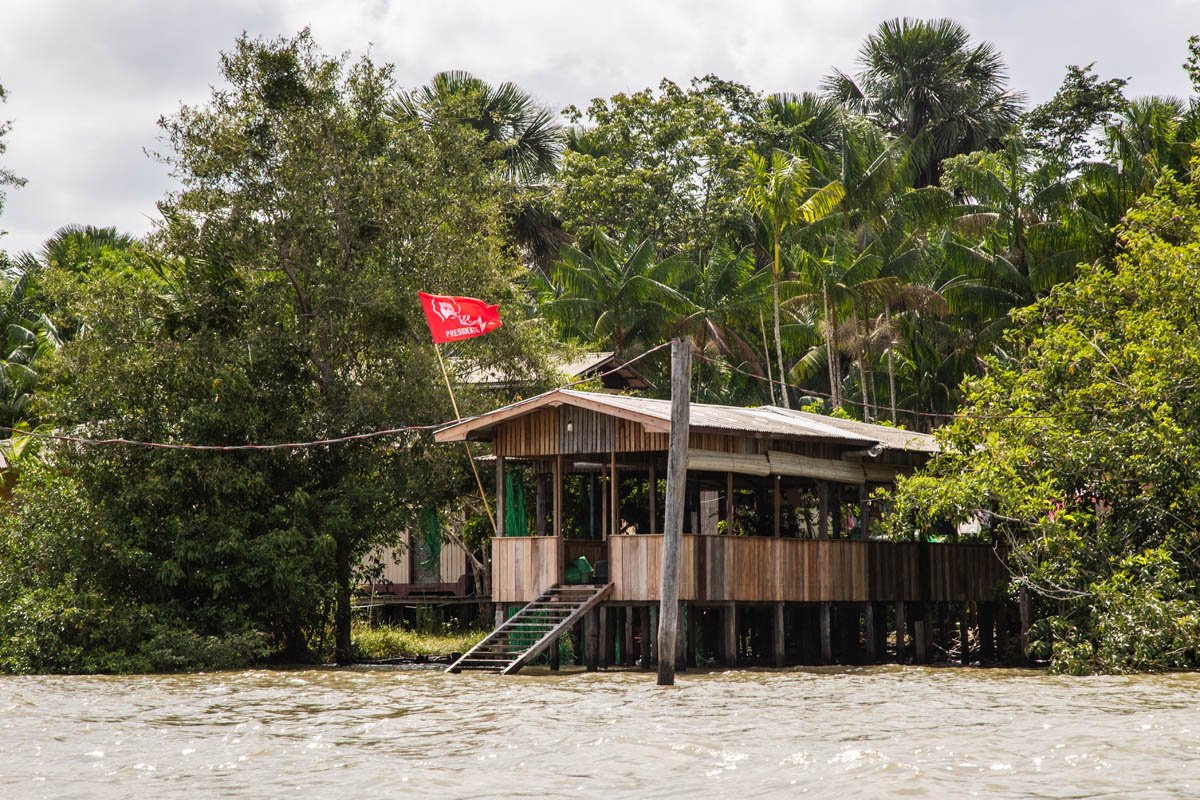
(762, 569)
(524, 566)
(397, 564)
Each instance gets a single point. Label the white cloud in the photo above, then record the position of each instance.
(88, 81)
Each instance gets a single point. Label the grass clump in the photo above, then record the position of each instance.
(380, 642)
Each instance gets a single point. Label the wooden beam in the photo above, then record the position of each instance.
(558, 494)
(591, 640)
(872, 632)
(500, 531)
(822, 510)
(729, 510)
(714, 461)
(614, 500)
(540, 528)
(729, 635)
(778, 506)
(653, 487)
(677, 465)
(901, 632)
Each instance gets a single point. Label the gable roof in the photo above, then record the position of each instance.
(655, 416)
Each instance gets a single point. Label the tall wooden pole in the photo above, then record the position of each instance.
(470, 459)
(677, 454)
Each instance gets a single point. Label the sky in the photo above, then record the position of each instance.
(88, 82)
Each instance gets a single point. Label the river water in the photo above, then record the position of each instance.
(390, 733)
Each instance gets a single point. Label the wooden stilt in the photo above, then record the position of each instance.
(644, 626)
(730, 636)
(685, 622)
(501, 614)
(677, 460)
(826, 634)
(987, 630)
(605, 637)
(964, 634)
(778, 636)
(901, 632)
(627, 648)
(920, 634)
(871, 633)
(591, 640)
(554, 656)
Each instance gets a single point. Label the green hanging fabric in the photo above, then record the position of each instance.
(516, 522)
(431, 540)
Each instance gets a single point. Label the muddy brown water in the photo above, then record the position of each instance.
(882, 732)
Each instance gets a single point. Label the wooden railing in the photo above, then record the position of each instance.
(761, 569)
(524, 566)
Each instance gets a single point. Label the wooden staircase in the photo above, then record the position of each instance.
(531, 630)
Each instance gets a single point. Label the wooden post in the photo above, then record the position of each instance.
(987, 629)
(644, 625)
(605, 639)
(729, 635)
(685, 622)
(778, 502)
(613, 499)
(901, 630)
(628, 645)
(778, 638)
(872, 632)
(653, 497)
(826, 634)
(591, 640)
(558, 494)
(681, 381)
(554, 656)
(729, 504)
(501, 614)
(964, 634)
(864, 510)
(540, 528)
(822, 510)
(920, 631)
(500, 527)
(1026, 609)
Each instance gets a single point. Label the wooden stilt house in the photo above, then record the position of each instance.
(779, 564)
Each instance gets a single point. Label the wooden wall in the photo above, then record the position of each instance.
(397, 564)
(524, 566)
(761, 569)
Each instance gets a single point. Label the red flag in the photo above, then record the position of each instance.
(453, 318)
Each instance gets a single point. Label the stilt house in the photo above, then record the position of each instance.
(778, 561)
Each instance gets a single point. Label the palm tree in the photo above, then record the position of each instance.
(613, 294)
(527, 139)
(29, 337)
(926, 81)
(780, 194)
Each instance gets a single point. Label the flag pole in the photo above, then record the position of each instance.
(466, 446)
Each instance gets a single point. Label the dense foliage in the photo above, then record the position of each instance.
(863, 249)
(1079, 448)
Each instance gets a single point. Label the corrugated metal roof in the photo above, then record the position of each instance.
(768, 421)
(891, 438)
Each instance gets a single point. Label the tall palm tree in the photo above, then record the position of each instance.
(527, 138)
(779, 192)
(614, 294)
(926, 81)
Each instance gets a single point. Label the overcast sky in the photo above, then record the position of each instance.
(87, 81)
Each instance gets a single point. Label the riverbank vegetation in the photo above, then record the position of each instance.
(909, 242)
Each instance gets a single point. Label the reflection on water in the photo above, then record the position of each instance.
(381, 733)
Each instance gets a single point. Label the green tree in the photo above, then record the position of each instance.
(780, 194)
(926, 81)
(280, 306)
(614, 293)
(666, 162)
(1079, 448)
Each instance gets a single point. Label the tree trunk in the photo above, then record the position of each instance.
(767, 354)
(778, 338)
(831, 349)
(343, 648)
(887, 318)
(862, 368)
